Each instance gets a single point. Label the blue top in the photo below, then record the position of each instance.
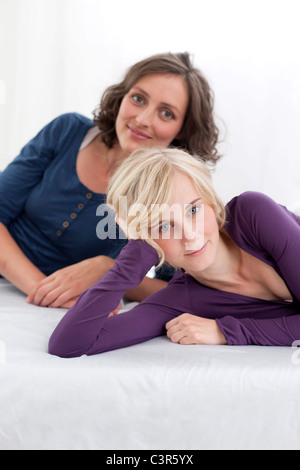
(50, 214)
(258, 225)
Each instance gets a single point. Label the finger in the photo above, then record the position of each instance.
(177, 336)
(179, 323)
(67, 305)
(35, 289)
(42, 296)
(50, 298)
(31, 295)
(29, 298)
(184, 336)
(172, 323)
(186, 340)
(112, 314)
(53, 293)
(174, 329)
(182, 319)
(62, 298)
(116, 311)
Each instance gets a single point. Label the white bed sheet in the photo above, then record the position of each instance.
(156, 395)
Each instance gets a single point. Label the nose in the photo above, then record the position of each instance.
(145, 117)
(193, 239)
(189, 236)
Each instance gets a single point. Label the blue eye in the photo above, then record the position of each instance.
(165, 227)
(167, 114)
(137, 99)
(194, 210)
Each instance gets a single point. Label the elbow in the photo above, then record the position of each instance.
(56, 350)
(60, 348)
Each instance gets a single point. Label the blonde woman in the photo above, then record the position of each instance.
(237, 275)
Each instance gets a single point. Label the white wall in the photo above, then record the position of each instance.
(59, 55)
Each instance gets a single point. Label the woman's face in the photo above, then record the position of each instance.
(188, 232)
(152, 112)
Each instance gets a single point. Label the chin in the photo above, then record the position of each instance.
(130, 147)
(133, 147)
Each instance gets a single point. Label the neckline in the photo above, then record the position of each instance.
(83, 187)
(248, 298)
(259, 257)
(90, 135)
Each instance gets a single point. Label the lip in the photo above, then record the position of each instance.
(138, 134)
(198, 252)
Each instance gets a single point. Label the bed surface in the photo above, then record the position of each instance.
(156, 395)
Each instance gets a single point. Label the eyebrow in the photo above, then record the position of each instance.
(148, 96)
(162, 221)
(193, 202)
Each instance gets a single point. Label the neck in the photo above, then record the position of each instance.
(110, 156)
(226, 265)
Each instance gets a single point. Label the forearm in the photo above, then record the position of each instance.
(15, 266)
(147, 287)
(282, 331)
(81, 327)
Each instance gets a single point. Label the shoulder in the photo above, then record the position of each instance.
(248, 215)
(250, 206)
(70, 120)
(76, 117)
(249, 201)
(255, 219)
(63, 131)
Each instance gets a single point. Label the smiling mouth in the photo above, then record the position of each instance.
(197, 252)
(137, 134)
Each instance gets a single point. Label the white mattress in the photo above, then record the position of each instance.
(156, 395)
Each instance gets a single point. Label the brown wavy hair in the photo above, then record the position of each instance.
(199, 134)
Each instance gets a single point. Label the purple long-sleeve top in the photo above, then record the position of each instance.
(258, 225)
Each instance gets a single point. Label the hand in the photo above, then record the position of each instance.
(190, 329)
(116, 311)
(62, 288)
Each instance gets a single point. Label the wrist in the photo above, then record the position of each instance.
(134, 262)
(221, 337)
(102, 261)
(30, 284)
(148, 254)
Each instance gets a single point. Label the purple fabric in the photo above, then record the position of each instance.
(258, 225)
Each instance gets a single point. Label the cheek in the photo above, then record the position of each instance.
(171, 250)
(166, 133)
(211, 229)
(118, 123)
(123, 111)
(126, 111)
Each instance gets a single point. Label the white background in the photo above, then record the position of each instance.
(58, 56)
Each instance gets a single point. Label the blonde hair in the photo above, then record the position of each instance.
(145, 179)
